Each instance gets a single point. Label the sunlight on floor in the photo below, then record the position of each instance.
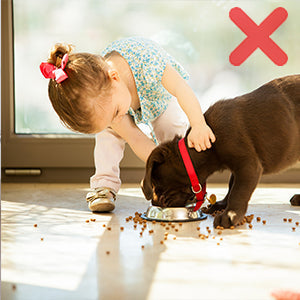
(65, 257)
(54, 254)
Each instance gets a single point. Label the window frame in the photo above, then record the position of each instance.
(19, 151)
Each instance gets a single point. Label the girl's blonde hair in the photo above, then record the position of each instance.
(75, 98)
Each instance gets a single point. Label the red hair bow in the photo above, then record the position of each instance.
(51, 71)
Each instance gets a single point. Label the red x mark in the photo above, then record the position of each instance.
(258, 36)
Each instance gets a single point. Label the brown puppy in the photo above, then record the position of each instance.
(257, 133)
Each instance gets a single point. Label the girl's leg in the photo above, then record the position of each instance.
(106, 181)
(173, 121)
(108, 152)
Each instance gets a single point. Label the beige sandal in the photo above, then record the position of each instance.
(101, 199)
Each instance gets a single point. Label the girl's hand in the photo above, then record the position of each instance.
(201, 137)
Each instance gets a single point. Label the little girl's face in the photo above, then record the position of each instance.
(120, 101)
(115, 107)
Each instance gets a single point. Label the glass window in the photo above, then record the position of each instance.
(198, 33)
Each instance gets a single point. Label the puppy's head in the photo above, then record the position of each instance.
(166, 182)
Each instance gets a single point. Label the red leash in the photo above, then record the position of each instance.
(196, 187)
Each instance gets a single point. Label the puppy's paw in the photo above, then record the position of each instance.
(227, 219)
(295, 200)
(218, 206)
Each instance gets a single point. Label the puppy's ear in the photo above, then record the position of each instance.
(155, 157)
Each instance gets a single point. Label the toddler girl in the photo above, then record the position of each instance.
(134, 81)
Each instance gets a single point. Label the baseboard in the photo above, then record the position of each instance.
(130, 175)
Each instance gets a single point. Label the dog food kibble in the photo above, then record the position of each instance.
(264, 222)
(232, 227)
(143, 246)
(109, 228)
(35, 225)
(249, 218)
(87, 221)
(290, 220)
(180, 224)
(161, 242)
(293, 228)
(250, 226)
(284, 220)
(121, 228)
(93, 220)
(103, 225)
(212, 199)
(218, 244)
(42, 239)
(107, 252)
(134, 226)
(258, 219)
(174, 238)
(297, 223)
(198, 228)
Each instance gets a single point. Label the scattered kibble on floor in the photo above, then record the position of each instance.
(145, 227)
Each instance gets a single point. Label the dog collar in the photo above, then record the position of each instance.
(198, 190)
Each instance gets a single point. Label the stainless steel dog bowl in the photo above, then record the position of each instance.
(173, 214)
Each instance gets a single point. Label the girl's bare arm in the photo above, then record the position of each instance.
(141, 145)
(201, 135)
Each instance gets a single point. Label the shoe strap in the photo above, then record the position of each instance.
(100, 193)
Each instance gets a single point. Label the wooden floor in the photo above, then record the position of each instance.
(50, 251)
